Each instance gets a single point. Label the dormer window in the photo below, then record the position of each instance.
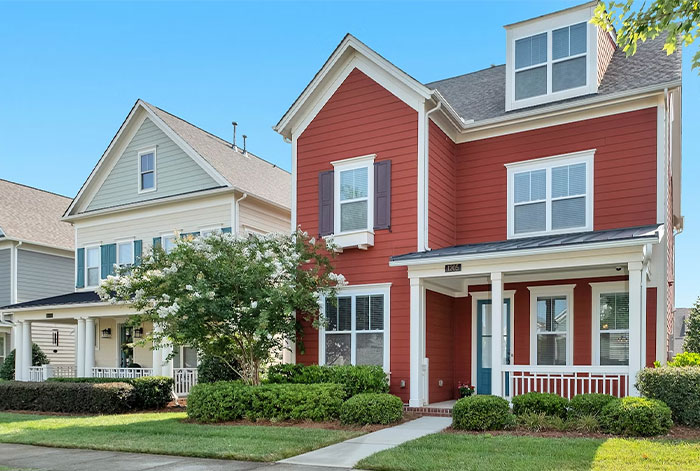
(569, 57)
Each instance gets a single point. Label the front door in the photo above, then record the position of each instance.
(483, 343)
(126, 346)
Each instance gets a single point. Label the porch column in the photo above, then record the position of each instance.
(89, 346)
(417, 332)
(496, 333)
(26, 349)
(636, 322)
(17, 340)
(80, 348)
(157, 355)
(167, 368)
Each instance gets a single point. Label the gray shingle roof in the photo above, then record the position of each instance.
(248, 173)
(34, 215)
(547, 241)
(481, 95)
(78, 297)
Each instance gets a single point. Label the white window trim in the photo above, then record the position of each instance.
(547, 163)
(165, 235)
(552, 290)
(596, 290)
(155, 173)
(125, 241)
(360, 290)
(99, 265)
(361, 238)
(209, 230)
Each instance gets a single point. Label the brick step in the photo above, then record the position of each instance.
(429, 411)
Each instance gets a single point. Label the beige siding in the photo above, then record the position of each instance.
(64, 352)
(106, 352)
(261, 217)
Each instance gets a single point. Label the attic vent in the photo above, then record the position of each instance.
(49, 315)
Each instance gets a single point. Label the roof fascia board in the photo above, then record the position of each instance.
(53, 307)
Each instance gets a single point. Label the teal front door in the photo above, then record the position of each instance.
(483, 344)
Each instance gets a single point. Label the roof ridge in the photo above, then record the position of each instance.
(493, 66)
(35, 188)
(223, 141)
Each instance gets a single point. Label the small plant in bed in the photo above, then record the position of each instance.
(481, 413)
(636, 416)
(371, 408)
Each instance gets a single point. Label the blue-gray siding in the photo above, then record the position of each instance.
(41, 275)
(176, 172)
(5, 278)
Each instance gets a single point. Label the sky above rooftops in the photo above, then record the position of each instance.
(72, 71)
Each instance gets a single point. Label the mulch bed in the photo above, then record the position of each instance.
(676, 433)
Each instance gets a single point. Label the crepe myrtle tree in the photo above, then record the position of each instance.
(229, 297)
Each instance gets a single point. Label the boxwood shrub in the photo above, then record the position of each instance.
(150, 392)
(88, 398)
(355, 379)
(592, 404)
(636, 416)
(537, 402)
(481, 413)
(678, 387)
(371, 408)
(232, 400)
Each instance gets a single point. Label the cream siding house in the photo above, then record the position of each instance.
(159, 178)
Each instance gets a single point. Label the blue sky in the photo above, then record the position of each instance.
(71, 72)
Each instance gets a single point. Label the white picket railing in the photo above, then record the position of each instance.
(566, 381)
(62, 371)
(130, 373)
(184, 379)
(36, 373)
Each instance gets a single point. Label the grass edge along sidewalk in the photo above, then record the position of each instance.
(167, 433)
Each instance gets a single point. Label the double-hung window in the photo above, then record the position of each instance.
(147, 170)
(531, 66)
(168, 242)
(354, 194)
(611, 323)
(551, 313)
(551, 195)
(569, 57)
(125, 253)
(356, 329)
(92, 266)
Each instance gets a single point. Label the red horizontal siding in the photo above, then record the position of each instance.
(439, 342)
(442, 216)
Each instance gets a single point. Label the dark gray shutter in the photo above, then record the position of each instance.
(325, 203)
(382, 194)
(226, 230)
(80, 275)
(138, 252)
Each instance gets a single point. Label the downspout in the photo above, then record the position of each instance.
(426, 172)
(13, 290)
(237, 215)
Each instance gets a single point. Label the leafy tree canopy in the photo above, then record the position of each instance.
(692, 329)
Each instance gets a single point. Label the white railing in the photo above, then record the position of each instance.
(36, 373)
(62, 371)
(566, 381)
(130, 373)
(184, 379)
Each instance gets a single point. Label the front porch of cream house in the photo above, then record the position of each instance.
(562, 314)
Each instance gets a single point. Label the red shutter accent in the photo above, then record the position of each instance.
(325, 203)
(382, 194)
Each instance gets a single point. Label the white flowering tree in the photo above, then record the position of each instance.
(229, 297)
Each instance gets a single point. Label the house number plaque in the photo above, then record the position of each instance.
(453, 267)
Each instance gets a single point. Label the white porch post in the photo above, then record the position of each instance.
(636, 322)
(167, 368)
(157, 355)
(496, 333)
(89, 346)
(80, 348)
(416, 357)
(17, 340)
(26, 349)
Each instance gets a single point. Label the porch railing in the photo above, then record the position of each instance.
(566, 381)
(44, 372)
(184, 379)
(130, 373)
(36, 373)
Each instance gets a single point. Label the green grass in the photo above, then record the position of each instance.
(449, 451)
(166, 433)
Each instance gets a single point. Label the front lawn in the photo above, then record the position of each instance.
(166, 433)
(484, 452)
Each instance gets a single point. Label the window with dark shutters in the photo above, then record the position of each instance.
(325, 203)
(382, 194)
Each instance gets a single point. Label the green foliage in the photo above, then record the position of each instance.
(592, 404)
(7, 369)
(678, 387)
(547, 403)
(149, 392)
(212, 369)
(104, 398)
(685, 359)
(355, 379)
(371, 408)
(233, 400)
(636, 416)
(680, 19)
(241, 295)
(539, 421)
(692, 329)
(583, 424)
(481, 413)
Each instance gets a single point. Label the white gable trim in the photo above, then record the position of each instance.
(126, 132)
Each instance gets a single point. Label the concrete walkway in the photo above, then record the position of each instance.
(348, 453)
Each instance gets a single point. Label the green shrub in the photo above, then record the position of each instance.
(546, 403)
(355, 379)
(150, 392)
(213, 369)
(583, 424)
(106, 398)
(679, 388)
(589, 404)
(636, 416)
(481, 413)
(232, 400)
(685, 359)
(539, 421)
(371, 408)
(7, 369)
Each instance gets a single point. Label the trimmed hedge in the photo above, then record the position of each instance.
(678, 387)
(150, 392)
(355, 379)
(636, 416)
(84, 398)
(592, 404)
(371, 408)
(481, 413)
(545, 403)
(232, 400)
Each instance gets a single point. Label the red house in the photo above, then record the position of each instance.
(539, 198)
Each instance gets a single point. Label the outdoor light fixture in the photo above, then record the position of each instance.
(138, 333)
(107, 333)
